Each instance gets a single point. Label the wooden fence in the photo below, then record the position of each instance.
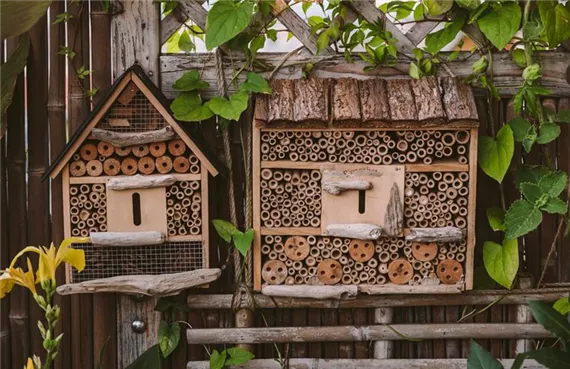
(48, 107)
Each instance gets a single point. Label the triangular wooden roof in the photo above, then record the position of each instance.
(136, 75)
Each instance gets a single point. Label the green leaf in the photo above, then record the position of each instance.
(479, 358)
(218, 360)
(532, 29)
(532, 72)
(530, 174)
(437, 7)
(562, 305)
(9, 72)
(243, 241)
(548, 132)
(550, 357)
(495, 156)
(225, 229)
(502, 262)
(532, 192)
(168, 337)
(272, 34)
(556, 21)
(256, 83)
(554, 183)
(519, 58)
(520, 127)
(563, 116)
(468, 4)
(415, 71)
(230, 109)
(150, 359)
(530, 139)
(172, 43)
(521, 218)
(438, 40)
(238, 356)
(185, 43)
(166, 303)
(501, 23)
(555, 206)
(187, 107)
(190, 81)
(496, 218)
(480, 66)
(551, 319)
(226, 19)
(419, 12)
(323, 41)
(18, 17)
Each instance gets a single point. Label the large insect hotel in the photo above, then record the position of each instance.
(136, 182)
(365, 184)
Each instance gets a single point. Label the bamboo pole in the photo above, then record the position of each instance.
(104, 305)
(16, 167)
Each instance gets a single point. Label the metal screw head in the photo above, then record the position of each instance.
(138, 326)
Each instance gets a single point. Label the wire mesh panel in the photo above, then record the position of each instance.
(171, 257)
(138, 115)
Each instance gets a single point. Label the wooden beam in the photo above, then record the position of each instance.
(340, 292)
(508, 76)
(127, 238)
(363, 364)
(392, 332)
(420, 30)
(122, 139)
(139, 181)
(514, 297)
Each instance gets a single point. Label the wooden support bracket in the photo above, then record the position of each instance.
(148, 285)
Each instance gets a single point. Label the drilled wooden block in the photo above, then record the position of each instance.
(274, 272)
(361, 250)
(297, 248)
(449, 271)
(424, 251)
(400, 271)
(329, 271)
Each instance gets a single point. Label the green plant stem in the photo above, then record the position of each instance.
(527, 44)
(51, 320)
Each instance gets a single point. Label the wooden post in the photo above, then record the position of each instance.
(135, 39)
(523, 313)
(383, 349)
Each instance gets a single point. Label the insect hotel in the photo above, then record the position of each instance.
(136, 182)
(365, 185)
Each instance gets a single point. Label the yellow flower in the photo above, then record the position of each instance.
(30, 364)
(12, 276)
(50, 259)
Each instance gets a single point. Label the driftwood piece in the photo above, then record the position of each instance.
(444, 234)
(427, 97)
(401, 100)
(340, 292)
(311, 100)
(120, 139)
(361, 231)
(337, 187)
(365, 333)
(345, 102)
(458, 99)
(394, 218)
(140, 181)
(404, 289)
(280, 103)
(127, 238)
(363, 364)
(374, 100)
(149, 285)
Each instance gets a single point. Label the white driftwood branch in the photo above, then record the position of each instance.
(127, 238)
(149, 285)
(121, 139)
(444, 234)
(337, 187)
(140, 181)
(394, 217)
(342, 292)
(361, 231)
(391, 289)
(363, 364)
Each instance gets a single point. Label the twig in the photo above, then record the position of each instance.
(283, 60)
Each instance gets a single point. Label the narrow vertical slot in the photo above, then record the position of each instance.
(136, 209)
(361, 201)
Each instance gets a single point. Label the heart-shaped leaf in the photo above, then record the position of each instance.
(502, 262)
(190, 81)
(188, 107)
(562, 305)
(225, 229)
(551, 319)
(481, 359)
(230, 109)
(555, 18)
(550, 357)
(501, 23)
(521, 218)
(226, 19)
(520, 127)
(238, 356)
(548, 132)
(438, 40)
(18, 17)
(217, 359)
(496, 218)
(437, 7)
(256, 83)
(243, 241)
(150, 359)
(495, 155)
(553, 184)
(168, 337)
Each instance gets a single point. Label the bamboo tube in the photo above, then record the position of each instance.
(157, 149)
(140, 150)
(146, 165)
(461, 150)
(123, 151)
(447, 151)
(462, 160)
(176, 147)
(163, 164)
(77, 168)
(283, 257)
(448, 139)
(462, 137)
(129, 166)
(88, 152)
(181, 164)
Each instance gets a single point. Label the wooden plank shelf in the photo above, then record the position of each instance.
(104, 179)
(435, 167)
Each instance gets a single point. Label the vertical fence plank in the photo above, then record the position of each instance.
(452, 347)
(315, 349)
(346, 350)
(16, 166)
(564, 164)
(4, 256)
(361, 349)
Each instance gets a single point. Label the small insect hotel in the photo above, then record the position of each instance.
(367, 184)
(136, 182)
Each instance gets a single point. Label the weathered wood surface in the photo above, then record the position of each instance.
(360, 231)
(139, 181)
(280, 103)
(393, 332)
(444, 234)
(427, 97)
(311, 100)
(394, 217)
(122, 139)
(374, 100)
(345, 102)
(363, 363)
(126, 238)
(401, 100)
(148, 285)
(135, 35)
(454, 101)
(420, 30)
(340, 292)
(483, 298)
(390, 289)
(383, 349)
(507, 75)
(337, 187)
